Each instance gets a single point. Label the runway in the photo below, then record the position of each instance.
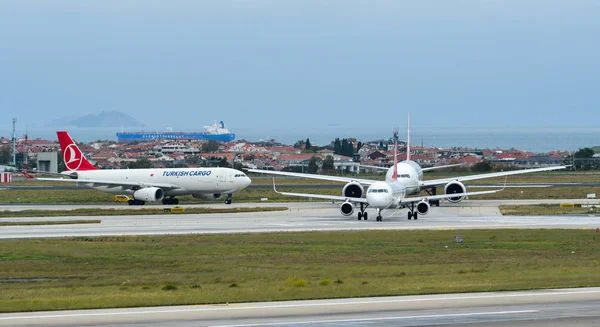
(299, 217)
(563, 307)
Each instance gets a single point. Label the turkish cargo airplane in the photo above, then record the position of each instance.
(402, 179)
(150, 184)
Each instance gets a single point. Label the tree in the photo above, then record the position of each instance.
(307, 146)
(582, 158)
(5, 156)
(337, 146)
(141, 162)
(210, 146)
(482, 166)
(299, 144)
(328, 164)
(359, 145)
(313, 165)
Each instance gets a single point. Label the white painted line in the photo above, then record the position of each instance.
(383, 318)
(303, 304)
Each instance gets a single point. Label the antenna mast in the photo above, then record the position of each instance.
(14, 141)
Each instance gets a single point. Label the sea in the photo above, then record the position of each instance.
(539, 140)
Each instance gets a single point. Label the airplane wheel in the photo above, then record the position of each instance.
(228, 201)
(175, 201)
(365, 216)
(142, 203)
(359, 215)
(165, 201)
(409, 215)
(416, 215)
(131, 202)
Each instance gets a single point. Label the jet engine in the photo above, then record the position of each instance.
(353, 190)
(208, 196)
(455, 187)
(347, 208)
(423, 207)
(149, 194)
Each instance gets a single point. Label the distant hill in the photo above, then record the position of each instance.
(103, 119)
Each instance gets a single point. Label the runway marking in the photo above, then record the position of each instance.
(383, 318)
(10, 316)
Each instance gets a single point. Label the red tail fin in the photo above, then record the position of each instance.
(72, 156)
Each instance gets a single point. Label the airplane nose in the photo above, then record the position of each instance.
(247, 182)
(378, 200)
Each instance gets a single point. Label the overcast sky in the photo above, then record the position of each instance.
(275, 65)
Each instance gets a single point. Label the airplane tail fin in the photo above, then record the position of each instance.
(72, 156)
(408, 140)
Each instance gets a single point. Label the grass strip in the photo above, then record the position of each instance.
(129, 212)
(102, 272)
(50, 222)
(543, 210)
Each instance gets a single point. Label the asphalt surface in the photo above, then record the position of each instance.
(305, 186)
(318, 216)
(565, 307)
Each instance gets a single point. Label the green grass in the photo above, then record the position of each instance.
(128, 212)
(543, 209)
(100, 272)
(49, 222)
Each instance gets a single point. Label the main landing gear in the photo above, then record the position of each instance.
(432, 202)
(362, 213)
(411, 211)
(170, 200)
(228, 200)
(136, 202)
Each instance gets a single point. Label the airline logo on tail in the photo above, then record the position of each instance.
(72, 156)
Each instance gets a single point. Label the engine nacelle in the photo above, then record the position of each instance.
(347, 209)
(207, 196)
(353, 190)
(149, 194)
(455, 187)
(423, 207)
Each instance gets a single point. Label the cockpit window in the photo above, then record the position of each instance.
(239, 175)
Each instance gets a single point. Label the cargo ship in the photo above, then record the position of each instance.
(215, 132)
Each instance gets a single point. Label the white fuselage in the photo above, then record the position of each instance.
(186, 180)
(384, 195)
(409, 174)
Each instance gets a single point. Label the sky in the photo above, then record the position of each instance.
(271, 68)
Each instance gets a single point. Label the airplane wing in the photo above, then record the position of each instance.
(322, 196)
(442, 181)
(123, 184)
(445, 196)
(374, 167)
(364, 182)
(422, 169)
(439, 167)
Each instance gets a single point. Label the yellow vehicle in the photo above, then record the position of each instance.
(122, 198)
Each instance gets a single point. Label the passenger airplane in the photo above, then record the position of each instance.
(150, 184)
(402, 179)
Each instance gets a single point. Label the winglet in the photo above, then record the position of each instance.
(274, 189)
(503, 187)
